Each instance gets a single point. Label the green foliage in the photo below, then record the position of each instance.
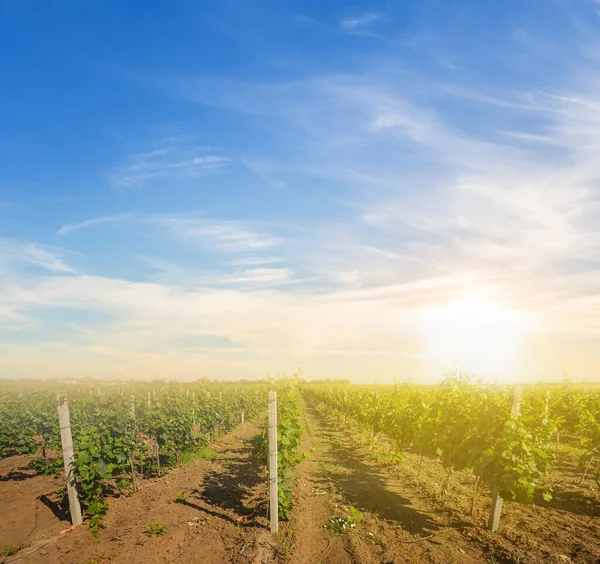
(466, 426)
(46, 466)
(339, 525)
(109, 437)
(155, 529)
(289, 437)
(344, 523)
(8, 551)
(180, 497)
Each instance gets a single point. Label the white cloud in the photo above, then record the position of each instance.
(351, 23)
(228, 236)
(16, 254)
(175, 158)
(221, 235)
(93, 222)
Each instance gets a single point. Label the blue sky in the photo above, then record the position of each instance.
(234, 188)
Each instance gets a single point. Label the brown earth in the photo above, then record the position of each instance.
(27, 502)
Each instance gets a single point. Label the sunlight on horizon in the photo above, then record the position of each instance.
(479, 336)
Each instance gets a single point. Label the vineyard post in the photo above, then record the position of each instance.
(497, 501)
(273, 494)
(149, 399)
(66, 440)
(187, 393)
(132, 400)
(242, 416)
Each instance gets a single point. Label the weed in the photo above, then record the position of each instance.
(9, 551)
(155, 529)
(343, 524)
(340, 525)
(334, 468)
(180, 497)
(355, 515)
(285, 538)
(100, 559)
(199, 452)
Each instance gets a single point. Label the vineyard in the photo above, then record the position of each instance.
(508, 474)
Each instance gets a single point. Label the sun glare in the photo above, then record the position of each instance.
(475, 335)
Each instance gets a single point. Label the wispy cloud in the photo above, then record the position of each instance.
(14, 253)
(256, 261)
(173, 158)
(228, 236)
(452, 194)
(222, 235)
(355, 22)
(267, 170)
(110, 219)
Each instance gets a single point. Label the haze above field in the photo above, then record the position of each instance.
(368, 191)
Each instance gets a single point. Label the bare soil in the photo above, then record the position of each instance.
(28, 502)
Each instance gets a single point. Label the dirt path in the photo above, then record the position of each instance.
(221, 520)
(393, 523)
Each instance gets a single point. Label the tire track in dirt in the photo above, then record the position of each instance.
(223, 518)
(395, 524)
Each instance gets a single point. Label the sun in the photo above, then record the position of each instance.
(475, 335)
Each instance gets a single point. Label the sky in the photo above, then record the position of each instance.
(231, 189)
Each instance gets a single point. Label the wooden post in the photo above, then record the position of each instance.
(242, 416)
(133, 474)
(132, 401)
(67, 447)
(273, 494)
(187, 393)
(497, 501)
(149, 399)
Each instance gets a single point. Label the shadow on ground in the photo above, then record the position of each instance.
(365, 486)
(231, 487)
